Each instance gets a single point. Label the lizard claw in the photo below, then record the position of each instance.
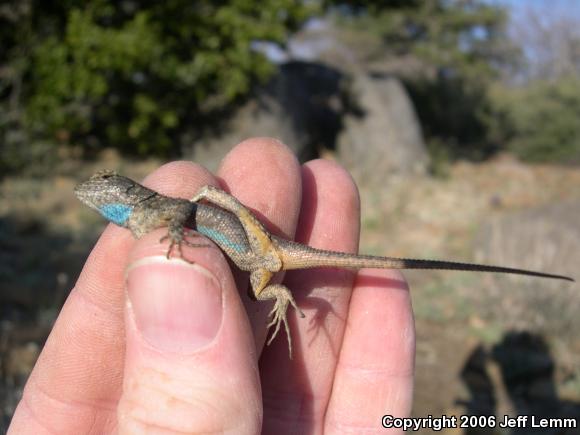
(171, 244)
(278, 313)
(177, 238)
(279, 316)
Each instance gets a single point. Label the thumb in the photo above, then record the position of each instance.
(190, 363)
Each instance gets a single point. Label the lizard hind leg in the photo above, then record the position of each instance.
(278, 315)
(258, 237)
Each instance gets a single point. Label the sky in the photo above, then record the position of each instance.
(519, 4)
(518, 8)
(548, 12)
(545, 29)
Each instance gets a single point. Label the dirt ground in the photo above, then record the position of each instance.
(473, 357)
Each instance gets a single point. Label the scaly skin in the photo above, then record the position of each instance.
(240, 235)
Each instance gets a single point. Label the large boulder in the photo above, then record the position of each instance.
(310, 106)
(383, 138)
(300, 106)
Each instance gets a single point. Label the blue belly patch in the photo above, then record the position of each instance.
(220, 238)
(116, 213)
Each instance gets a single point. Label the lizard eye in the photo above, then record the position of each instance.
(104, 174)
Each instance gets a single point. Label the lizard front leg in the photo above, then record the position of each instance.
(283, 297)
(177, 236)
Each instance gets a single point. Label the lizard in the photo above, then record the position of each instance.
(241, 236)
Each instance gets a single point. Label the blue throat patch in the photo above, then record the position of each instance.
(116, 213)
(219, 238)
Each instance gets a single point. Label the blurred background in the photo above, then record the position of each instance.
(459, 119)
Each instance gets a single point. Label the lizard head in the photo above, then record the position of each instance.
(111, 194)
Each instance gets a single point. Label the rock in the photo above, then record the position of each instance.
(300, 106)
(385, 138)
(310, 106)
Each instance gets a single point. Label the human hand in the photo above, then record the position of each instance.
(149, 345)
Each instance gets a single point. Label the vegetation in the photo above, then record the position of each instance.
(466, 106)
(146, 77)
(539, 122)
(134, 75)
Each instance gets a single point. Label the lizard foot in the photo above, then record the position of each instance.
(177, 237)
(278, 314)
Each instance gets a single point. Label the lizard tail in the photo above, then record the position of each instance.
(295, 256)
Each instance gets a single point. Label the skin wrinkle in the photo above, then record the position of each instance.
(160, 259)
(30, 410)
(369, 372)
(151, 428)
(176, 380)
(38, 394)
(284, 417)
(56, 400)
(373, 427)
(90, 300)
(79, 297)
(98, 272)
(136, 414)
(94, 335)
(139, 412)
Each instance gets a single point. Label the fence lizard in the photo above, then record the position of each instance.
(240, 235)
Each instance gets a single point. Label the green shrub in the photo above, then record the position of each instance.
(540, 122)
(140, 76)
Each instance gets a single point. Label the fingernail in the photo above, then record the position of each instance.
(176, 306)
